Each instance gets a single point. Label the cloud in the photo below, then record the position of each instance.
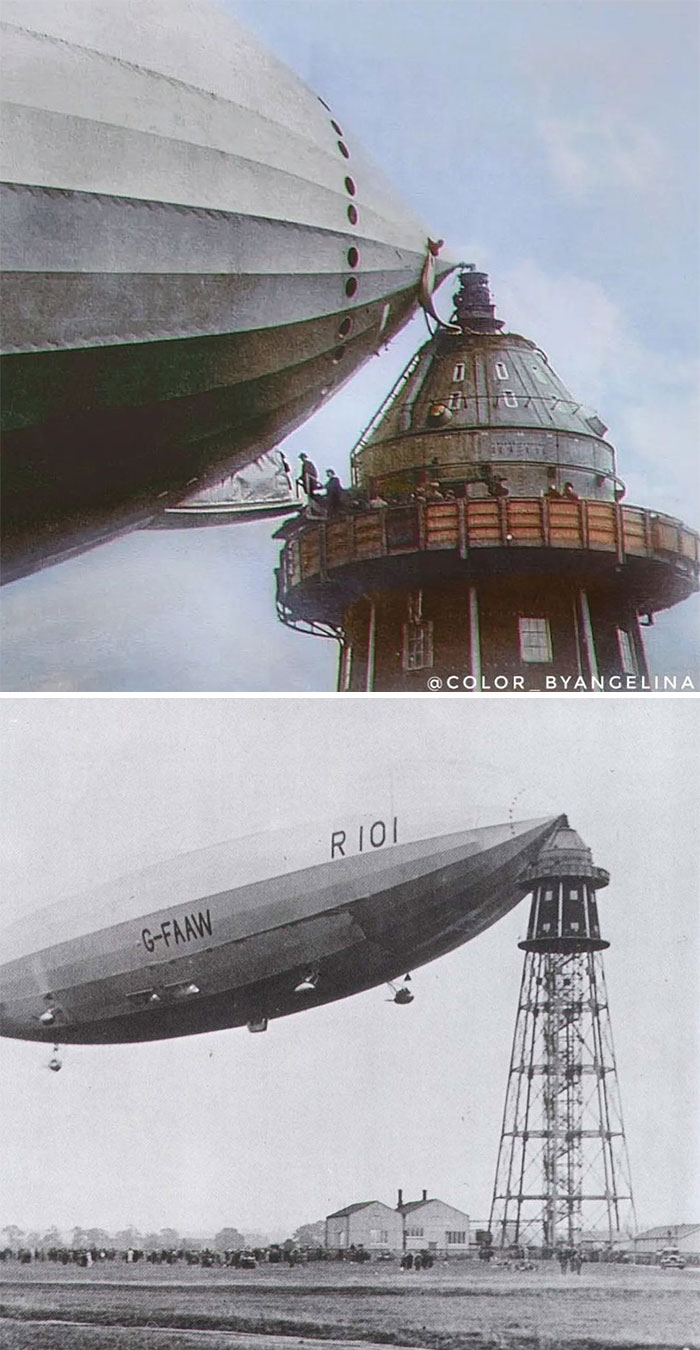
(648, 396)
(180, 610)
(599, 150)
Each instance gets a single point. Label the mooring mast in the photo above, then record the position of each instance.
(484, 534)
(562, 1169)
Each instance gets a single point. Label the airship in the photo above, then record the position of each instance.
(256, 929)
(196, 255)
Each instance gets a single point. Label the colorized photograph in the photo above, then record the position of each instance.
(320, 1024)
(350, 346)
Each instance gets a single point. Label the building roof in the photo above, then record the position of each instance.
(669, 1230)
(429, 1200)
(400, 1209)
(414, 1204)
(350, 1209)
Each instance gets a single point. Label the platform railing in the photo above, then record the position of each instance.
(316, 548)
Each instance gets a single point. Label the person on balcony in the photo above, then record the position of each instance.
(308, 478)
(334, 493)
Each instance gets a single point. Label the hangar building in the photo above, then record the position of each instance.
(684, 1236)
(369, 1224)
(434, 1226)
(417, 1225)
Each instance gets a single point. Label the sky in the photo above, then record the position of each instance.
(555, 145)
(353, 1100)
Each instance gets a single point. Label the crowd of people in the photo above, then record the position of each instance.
(570, 1259)
(325, 500)
(417, 1260)
(247, 1258)
(567, 492)
(91, 1256)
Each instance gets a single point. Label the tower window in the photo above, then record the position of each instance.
(458, 372)
(535, 640)
(455, 401)
(509, 398)
(417, 644)
(627, 656)
(501, 370)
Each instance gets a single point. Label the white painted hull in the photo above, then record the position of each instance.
(195, 257)
(210, 940)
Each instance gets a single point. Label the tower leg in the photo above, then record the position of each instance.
(562, 1175)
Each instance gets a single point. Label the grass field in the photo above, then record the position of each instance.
(448, 1308)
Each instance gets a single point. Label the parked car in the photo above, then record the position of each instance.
(247, 1261)
(672, 1261)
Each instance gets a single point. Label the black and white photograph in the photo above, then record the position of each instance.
(349, 1020)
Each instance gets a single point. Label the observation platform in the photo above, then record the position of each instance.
(325, 565)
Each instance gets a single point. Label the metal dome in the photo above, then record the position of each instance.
(479, 404)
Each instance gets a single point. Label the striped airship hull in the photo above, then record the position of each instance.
(221, 954)
(196, 255)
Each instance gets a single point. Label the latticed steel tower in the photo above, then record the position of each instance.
(484, 539)
(562, 1175)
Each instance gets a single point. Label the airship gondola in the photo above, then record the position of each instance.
(196, 255)
(237, 935)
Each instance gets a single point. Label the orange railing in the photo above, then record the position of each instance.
(317, 548)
